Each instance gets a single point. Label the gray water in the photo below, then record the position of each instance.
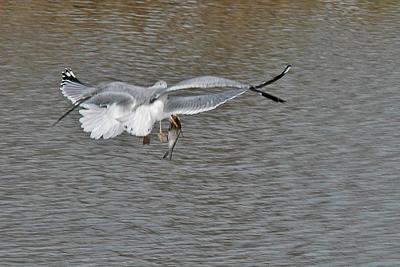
(312, 182)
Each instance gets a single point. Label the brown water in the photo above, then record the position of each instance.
(312, 182)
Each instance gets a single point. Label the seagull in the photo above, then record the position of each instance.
(110, 108)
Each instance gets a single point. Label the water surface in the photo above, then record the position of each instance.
(314, 181)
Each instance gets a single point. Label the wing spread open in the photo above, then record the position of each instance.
(72, 88)
(207, 82)
(200, 103)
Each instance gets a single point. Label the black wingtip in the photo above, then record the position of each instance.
(64, 115)
(288, 67)
(77, 104)
(267, 95)
(273, 98)
(167, 154)
(68, 75)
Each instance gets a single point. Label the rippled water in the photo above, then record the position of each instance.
(314, 181)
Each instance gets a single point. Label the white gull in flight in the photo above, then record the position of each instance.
(110, 108)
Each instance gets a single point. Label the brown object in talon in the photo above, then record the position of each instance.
(175, 122)
(173, 135)
(146, 140)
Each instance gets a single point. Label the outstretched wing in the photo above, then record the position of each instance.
(72, 88)
(200, 103)
(207, 82)
(217, 82)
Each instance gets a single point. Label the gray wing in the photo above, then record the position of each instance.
(207, 82)
(108, 98)
(72, 88)
(200, 103)
(140, 93)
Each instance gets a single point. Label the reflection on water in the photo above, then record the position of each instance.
(311, 182)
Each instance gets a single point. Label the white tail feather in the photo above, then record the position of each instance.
(102, 121)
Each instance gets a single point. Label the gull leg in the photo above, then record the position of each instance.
(146, 140)
(162, 136)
